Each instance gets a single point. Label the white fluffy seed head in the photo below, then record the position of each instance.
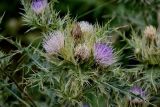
(54, 42)
(85, 26)
(82, 52)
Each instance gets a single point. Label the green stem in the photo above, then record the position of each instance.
(21, 100)
(20, 89)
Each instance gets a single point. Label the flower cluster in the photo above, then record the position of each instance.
(79, 57)
(103, 53)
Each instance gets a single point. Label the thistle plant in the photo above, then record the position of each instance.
(75, 65)
(39, 9)
(81, 67)
(146, 46)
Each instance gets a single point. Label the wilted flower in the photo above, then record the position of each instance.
(150, 34)
(138, 92)
(82, 52)
(150, 31)
(38, 6)
(54, 42)
(85, 26)
(103, 54)
(76, 31)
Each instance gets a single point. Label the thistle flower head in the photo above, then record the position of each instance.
(54, 43)
(150, 32)
(103, 54)
(82, 52)
(139, 92)
(85, 26)
(38, 6)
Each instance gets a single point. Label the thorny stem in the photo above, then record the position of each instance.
(20, 89)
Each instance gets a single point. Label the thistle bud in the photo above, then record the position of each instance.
(82, 52)
(76, 31)
(150, 31)
(38, 6)
(138, 91)
(150, 34)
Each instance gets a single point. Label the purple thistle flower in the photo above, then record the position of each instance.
(139, 92)
(38, 6)
(103, 54)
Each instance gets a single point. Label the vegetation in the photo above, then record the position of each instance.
(73, 58)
